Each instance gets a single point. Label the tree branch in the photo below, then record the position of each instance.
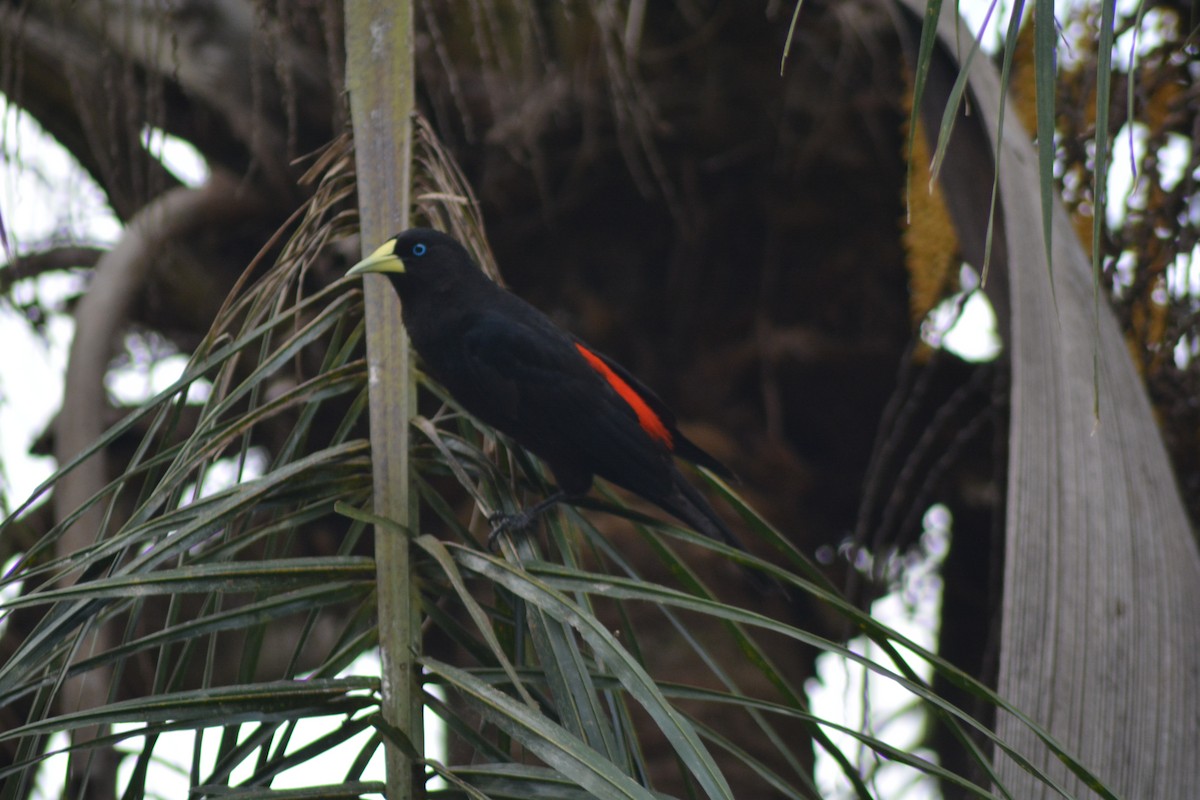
(100, 318)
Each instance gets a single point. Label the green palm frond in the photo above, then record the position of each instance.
(196, 581)
(236, 610)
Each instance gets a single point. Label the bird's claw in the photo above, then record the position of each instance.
(501, 522)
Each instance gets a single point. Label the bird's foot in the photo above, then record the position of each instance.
(501, 522)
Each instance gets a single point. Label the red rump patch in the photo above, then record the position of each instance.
(649, 421)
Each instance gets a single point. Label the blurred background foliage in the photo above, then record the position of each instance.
(738, 237)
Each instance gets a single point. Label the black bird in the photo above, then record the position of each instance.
(506, 363)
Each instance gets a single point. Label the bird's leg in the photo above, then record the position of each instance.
(502, 522)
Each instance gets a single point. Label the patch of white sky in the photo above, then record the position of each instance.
(846, 693)
(48, 200)
(43, 194)
(1128, 192)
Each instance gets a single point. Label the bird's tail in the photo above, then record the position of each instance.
(688, 505)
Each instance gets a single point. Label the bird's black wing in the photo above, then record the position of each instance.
(527, 378)
(580, 412)
(681, 446)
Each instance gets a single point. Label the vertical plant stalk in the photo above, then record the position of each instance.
(379, 78)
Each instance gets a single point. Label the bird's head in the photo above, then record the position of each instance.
(419, 259)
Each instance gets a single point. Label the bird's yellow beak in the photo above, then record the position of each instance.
(382, 260)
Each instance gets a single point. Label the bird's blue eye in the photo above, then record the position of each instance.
(418, 249)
